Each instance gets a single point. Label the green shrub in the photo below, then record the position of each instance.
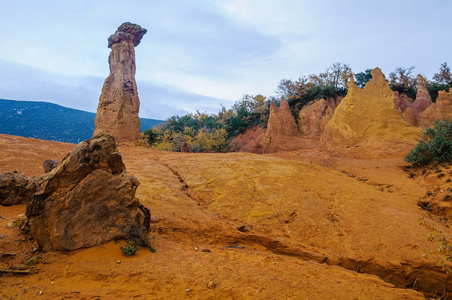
(129, 249)
(435, 146)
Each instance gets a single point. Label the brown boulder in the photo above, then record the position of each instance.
(49, 165)
(369, 118)
(184, 148)
(440, 110)
(16, 189)
(117, 112)
(89, 199)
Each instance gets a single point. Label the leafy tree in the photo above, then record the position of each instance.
(434, 87)
(331, 83)
(362, 78)
(444, 76)
(403, 81)
(435, 146)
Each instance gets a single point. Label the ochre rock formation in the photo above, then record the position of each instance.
(281, 129)
(313, 117)
(410, 111)
(369, 118)
(16, 188)
(89, 199)
(117, 113)
(440, 110)
(251, 141)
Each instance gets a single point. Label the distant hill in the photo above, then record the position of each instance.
(48, 121)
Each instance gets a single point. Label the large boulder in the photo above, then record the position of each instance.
(89, 199)
(368, 117)
(117, 112)
(16, 189)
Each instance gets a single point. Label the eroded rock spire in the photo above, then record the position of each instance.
(117, 112)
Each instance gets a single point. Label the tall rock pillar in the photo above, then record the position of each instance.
(117, 113)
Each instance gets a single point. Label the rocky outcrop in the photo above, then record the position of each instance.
(368, 117)
(440, 110)
(117, 112)
(49, 165)
(282, 133)
(314, 116)
(89, 199)
(184, 148)
(16, 189)
(281, 129)
(410, 111)
(251, 141)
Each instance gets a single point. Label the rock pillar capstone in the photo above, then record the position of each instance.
(117, 112)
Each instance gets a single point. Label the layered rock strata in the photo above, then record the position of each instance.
(117, 112)
(89, 199)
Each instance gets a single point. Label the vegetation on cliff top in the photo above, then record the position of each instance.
(213, 132)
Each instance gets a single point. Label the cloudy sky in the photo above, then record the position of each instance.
(200, 54)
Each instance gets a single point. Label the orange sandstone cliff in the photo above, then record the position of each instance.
(368, 117)
(117, 113)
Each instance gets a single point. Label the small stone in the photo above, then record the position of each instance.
(196, 248)
(447, 197)
(40, 293)
(118, 261)
(205, 250)
(211, 285)
(440, 175)
(52, 282)
(187, 290)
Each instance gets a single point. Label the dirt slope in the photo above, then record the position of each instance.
(306, 224)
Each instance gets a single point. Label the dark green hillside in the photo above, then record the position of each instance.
(48, 121)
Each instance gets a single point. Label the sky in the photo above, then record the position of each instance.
(201, 54)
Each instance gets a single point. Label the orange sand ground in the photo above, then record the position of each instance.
(306, 224)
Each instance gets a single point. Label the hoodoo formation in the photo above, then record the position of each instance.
(368, 117)
(282, 132)
(117, 113)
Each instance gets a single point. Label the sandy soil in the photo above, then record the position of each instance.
(307, 224)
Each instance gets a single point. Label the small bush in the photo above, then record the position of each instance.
(435, 146)
(129, 249)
